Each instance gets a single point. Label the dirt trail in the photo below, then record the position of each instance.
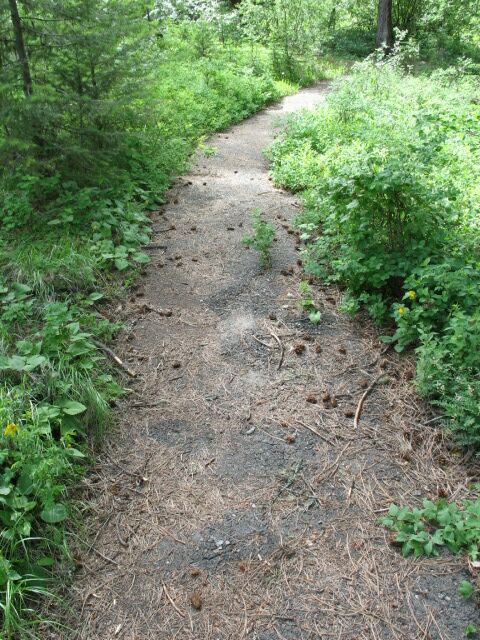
(236, 499)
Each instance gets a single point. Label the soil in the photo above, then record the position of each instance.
(235, 498)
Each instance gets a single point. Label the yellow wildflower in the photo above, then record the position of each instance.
(412, 295)
(10, 430)
(402, 311)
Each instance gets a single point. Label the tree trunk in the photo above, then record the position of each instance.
(385, 25)
(20, 48)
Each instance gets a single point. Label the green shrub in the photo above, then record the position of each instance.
(389, 170)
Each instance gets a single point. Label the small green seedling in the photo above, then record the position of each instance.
(307, 303)
(471, 630)
(466, 589)
(262, 237)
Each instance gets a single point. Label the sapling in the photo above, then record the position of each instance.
(261, 238)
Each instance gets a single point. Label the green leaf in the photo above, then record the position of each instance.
(33, 362)
(54, 513)
(72, 407)
(121, 264)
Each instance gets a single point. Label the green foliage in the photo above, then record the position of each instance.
(73, 203)
(466, 589)
(389, 170)
(446, 30)
(261, 238)
(307, 303)
(471, 630)
(437, 525)
(294, 32)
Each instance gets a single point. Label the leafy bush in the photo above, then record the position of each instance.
(435, 526)
(389, 170)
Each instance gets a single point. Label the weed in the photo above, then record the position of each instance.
(261, 238)
(466, 589)
(307, 303)
(435, 526)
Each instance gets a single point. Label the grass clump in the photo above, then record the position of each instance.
(389, 171)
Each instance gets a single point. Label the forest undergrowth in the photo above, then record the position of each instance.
(102, 106)
(71, 240)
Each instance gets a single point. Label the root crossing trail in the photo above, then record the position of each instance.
(236, 500)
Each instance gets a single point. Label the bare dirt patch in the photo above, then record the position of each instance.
(236, 499)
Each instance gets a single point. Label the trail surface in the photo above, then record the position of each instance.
(236, 500)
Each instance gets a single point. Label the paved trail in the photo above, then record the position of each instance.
(236, 500)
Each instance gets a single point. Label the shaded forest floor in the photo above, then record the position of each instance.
(236, 499)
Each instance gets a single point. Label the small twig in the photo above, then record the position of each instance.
(151, 247)
(310, 487)
(133, 474)
(167, 595)
(317, 433)
(115, 358)
(368, 391)
(123, 542)
(264, 344)
(279, 342)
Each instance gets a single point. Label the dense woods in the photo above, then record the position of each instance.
(101, 105)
